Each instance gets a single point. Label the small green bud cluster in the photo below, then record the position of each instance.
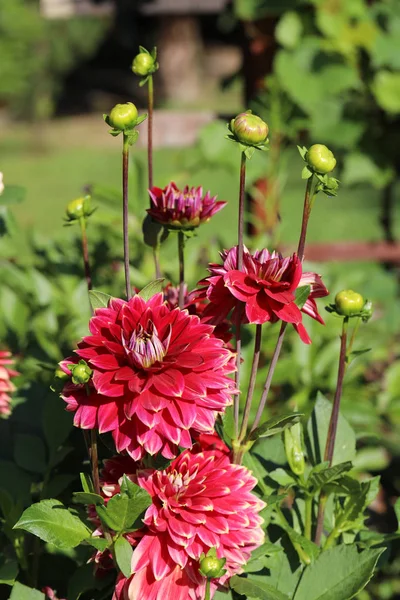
(212, 567)
(124, 118)
(319, 162)
(293, 440)
(78, 208)
(351, 304)
(145, 63)
(250, 132)
(81, 372)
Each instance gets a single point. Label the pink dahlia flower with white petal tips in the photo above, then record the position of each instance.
(6, 385)
(157, 373)
(182, 209)
(200, 501)
(263, 290)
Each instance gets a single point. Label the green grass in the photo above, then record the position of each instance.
(56, 175)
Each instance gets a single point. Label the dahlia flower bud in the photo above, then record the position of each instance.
(78, 208)
(320, 159)
(144, 63)
(249, 129)
(60, 378)
(6, 385)
(211, 566)
(81, 372)
(122, 116)
(349, 303)
(294, 448)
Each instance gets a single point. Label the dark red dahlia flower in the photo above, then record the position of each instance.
(264, 290)
(182, 209)
(157, 373)
(200, 501)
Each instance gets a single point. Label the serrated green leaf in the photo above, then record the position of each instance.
(23, 592)
(275, 425)
(228, 424)
(123, 509)
(87, 483)
(87, 498)
(302, 151)
(319, 478)
(255, 589)
(301, 295)
(97, 542)
(338, 573)
(52, 522)
(151, 289)
(123, 555)
(99, 299)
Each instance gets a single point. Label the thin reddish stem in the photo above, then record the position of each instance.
(85, 253)
(252, 382)
(242, 185)
(150, 131)
(181, 255)
(125, 215)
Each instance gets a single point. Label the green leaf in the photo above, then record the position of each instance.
(301, 295)
(397, 512)
(256, 589)
(23, 592)
(123, 509)
(97, 542)
(52, 522)
(87, 498)
(317, 429)
(386, 89)
(289, 29)
(306, 173)
(30, 453)
(338, 574)
(87, 483)
(282, 477)
(151, 289)
(123, 555)
(56, 424)
(9, 571)
(99, 299)
(81, 581)
(275, 425)
(228, 424)
(319, 478)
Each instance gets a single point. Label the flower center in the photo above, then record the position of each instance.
(145, 346)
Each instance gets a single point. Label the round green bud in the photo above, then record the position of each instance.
(123, 116)
(321, 159)
(349, 303)
(294, 448)
(249, 129)
(81, 373)
(143, 64)
(212, 567)
(80, 207)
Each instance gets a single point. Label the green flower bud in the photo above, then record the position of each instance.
(320, 159)
(81, 207)
(81, 373)
(349, 303)
(294, 448)
(123, 116)
(60, 378)
(211, 566)
(143, 64)
(249, 129)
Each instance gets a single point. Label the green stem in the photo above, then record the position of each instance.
(308, 517)
(94, 457)
(125, 214)
(156, 256)
(303, 556)
(242, 185)
(308, 203)
(252, 383)
(150, 131)
(85, 253)
(208, 588)
(181, 255)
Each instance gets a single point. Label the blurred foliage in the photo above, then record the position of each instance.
(36, 54)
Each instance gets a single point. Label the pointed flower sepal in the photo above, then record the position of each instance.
(145, 64)
(212, 567)
(351, 304)
(60, 378)
(250, 132)
(80, 372)
(124, 118)
(78, 208)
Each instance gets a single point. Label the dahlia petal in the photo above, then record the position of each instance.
(106, 385)
(241, 285)
(86, 417)
(107, 417)
(301, 330)
(170, 382)
(105, 361)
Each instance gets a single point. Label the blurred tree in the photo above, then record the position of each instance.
(36, 53)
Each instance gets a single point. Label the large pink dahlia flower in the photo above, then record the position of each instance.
(264, 290)
(157, 373)
(6, 385)
(182, 209)
(200, 501)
